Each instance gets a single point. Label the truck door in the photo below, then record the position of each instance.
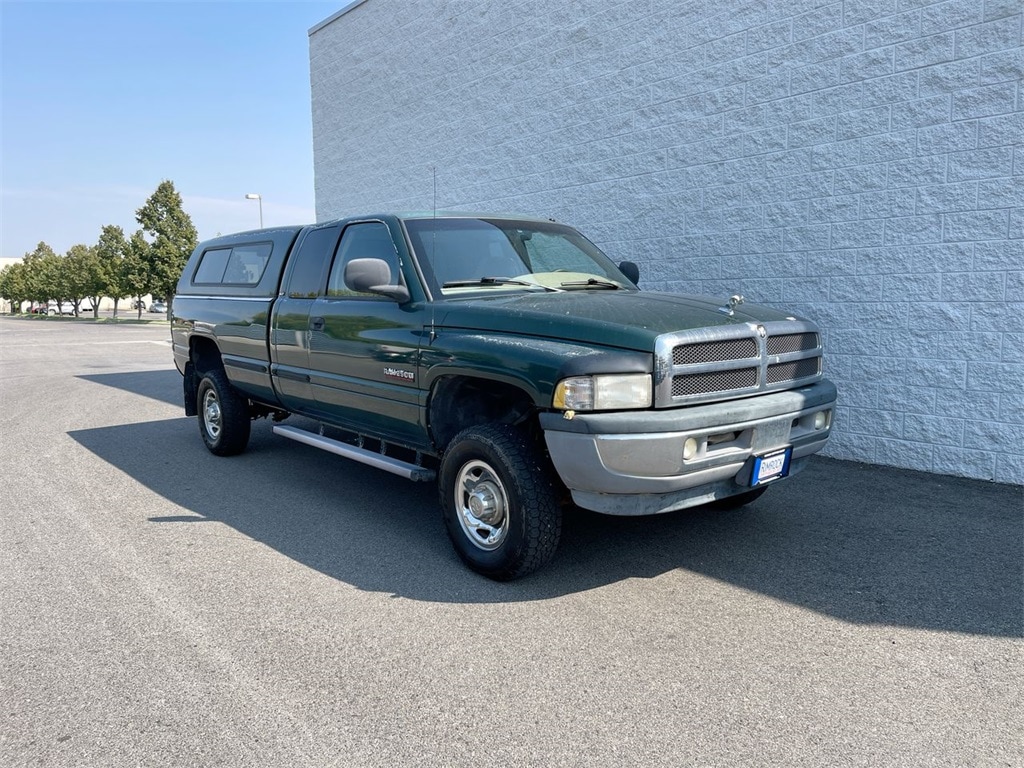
(364, 348)
(304, 280)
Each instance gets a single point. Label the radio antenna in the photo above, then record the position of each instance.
(433, 244)
(433, 205)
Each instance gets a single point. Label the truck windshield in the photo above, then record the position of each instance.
(460, 255)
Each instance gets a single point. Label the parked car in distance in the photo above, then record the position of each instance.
(64, 308)
(158, 306)
(136, 304)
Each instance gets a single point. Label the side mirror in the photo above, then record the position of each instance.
(630, 270)
(374, 276)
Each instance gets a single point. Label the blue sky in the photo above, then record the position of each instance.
(102, 101)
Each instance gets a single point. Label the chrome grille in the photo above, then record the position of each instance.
(791, 342)
(714, 351)
(797, 369)
(732, 361)
(713, 381)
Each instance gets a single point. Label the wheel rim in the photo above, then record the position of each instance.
(212, 418)
(482, 505)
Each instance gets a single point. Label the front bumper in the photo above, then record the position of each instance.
(631, 462)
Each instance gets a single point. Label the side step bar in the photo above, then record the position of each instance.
(380, 461)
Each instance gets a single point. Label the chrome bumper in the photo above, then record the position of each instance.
(632, 463)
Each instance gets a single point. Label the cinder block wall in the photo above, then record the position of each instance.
(858, 162)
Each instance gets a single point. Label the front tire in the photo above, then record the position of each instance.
(224, 419)
(499, 500)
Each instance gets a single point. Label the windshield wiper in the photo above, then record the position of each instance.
(494, 281)
(591, 282)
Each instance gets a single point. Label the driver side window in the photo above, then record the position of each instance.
(367, 240)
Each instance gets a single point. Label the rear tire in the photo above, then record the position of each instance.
(224, 421)
(499, 500)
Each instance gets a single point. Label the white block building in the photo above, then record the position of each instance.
(857, 161)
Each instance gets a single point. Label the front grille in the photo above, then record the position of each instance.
(731, 361)
(791, 342)
(713, 381)
(792, 371)
(714, 351)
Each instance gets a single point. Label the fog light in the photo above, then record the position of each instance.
(689, 448)
(820, 419)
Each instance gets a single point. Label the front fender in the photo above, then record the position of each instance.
(534, 365)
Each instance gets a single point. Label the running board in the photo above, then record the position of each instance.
(380, 461)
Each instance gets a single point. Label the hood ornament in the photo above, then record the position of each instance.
(730, 309)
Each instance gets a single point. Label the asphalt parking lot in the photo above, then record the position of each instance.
(160, 606)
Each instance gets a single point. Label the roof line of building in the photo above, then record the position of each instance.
(332, 17)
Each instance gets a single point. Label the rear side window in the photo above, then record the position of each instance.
(309, 265)
(240, 265)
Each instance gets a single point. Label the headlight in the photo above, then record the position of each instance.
(604, 393)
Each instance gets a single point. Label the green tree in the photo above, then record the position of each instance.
(111, 250)
(57, 279)
(85, 276)
(13, 286)
(134, 276)
(50, 276)
(38, 287)
(172, 235)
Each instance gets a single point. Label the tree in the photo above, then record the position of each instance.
(59, 279)
(13, 286)
(134, 276)
(49, 276)
(37, 280)
(85, 276)
(173, 238)
(111, 250)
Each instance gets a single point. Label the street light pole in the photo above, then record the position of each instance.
(255, 196)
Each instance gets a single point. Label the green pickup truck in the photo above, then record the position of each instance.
(507, 359)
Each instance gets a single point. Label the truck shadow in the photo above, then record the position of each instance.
(860, 543)
(164, 385)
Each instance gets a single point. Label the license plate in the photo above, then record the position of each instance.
(771, 466)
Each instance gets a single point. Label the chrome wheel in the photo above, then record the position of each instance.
(482, 505)
(499, 500)
(212, 416)
(224, 415)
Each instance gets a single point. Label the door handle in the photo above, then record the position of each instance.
(317, 323)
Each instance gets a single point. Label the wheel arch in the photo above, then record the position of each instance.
(203, 356)
(458, 401)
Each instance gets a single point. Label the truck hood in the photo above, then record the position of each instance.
(623, 319)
